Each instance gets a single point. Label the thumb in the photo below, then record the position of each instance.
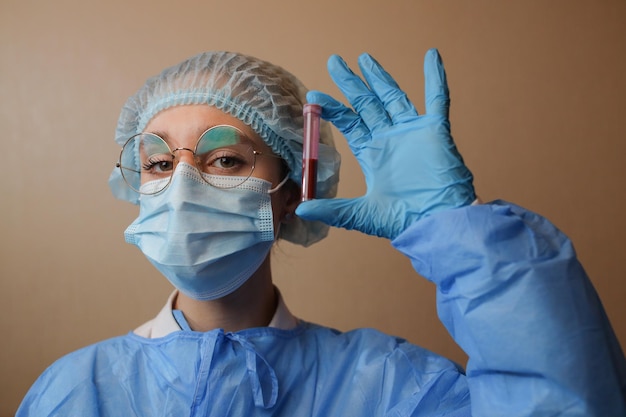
(336, 212)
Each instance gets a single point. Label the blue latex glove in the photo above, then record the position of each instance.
(411, 165)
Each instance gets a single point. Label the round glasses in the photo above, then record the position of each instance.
(224, 153)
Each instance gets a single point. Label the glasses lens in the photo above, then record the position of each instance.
(226, 156)
(146, 163)
(223, 154)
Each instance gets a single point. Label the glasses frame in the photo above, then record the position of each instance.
(255, 153)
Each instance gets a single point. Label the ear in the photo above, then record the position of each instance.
(292, 199)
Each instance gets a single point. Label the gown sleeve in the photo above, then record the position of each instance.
(513, 295)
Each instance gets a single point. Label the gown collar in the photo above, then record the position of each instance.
(165, 322)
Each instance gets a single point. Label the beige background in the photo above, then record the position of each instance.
(538, 109)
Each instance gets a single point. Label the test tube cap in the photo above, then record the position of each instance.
(312, 108)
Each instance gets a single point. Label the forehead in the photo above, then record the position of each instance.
(183, 125)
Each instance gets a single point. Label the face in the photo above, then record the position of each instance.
(181, 127)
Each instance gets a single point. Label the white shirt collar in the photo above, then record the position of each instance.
(164, 323)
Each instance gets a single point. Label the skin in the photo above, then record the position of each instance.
(254, 303)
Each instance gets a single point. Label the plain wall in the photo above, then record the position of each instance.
(538, 108)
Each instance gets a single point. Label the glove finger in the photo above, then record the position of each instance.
(361, 98)
(344, 118)
(436, 85)
(337, 212)
(395, 101)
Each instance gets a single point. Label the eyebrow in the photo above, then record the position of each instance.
(160, 134)
(163, 135)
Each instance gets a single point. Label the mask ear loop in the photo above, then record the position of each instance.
(278, 187)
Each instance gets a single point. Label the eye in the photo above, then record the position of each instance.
(227, 161)
(158, 164)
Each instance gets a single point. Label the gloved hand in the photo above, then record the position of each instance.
(411, 165)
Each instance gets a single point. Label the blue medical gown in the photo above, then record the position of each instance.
(509, 289)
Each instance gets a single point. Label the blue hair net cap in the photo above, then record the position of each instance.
(264, 96)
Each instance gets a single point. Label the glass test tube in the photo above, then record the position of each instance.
(311, 113)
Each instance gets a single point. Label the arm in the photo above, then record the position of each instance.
(510, 289)
(512, 293)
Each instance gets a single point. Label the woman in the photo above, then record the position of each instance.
(211, 152)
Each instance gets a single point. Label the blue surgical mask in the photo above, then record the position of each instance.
(206, 240)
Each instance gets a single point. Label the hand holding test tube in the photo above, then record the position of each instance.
(411, 165)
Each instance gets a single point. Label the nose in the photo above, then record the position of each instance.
(188, 156)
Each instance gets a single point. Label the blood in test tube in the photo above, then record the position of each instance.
(311, 113)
